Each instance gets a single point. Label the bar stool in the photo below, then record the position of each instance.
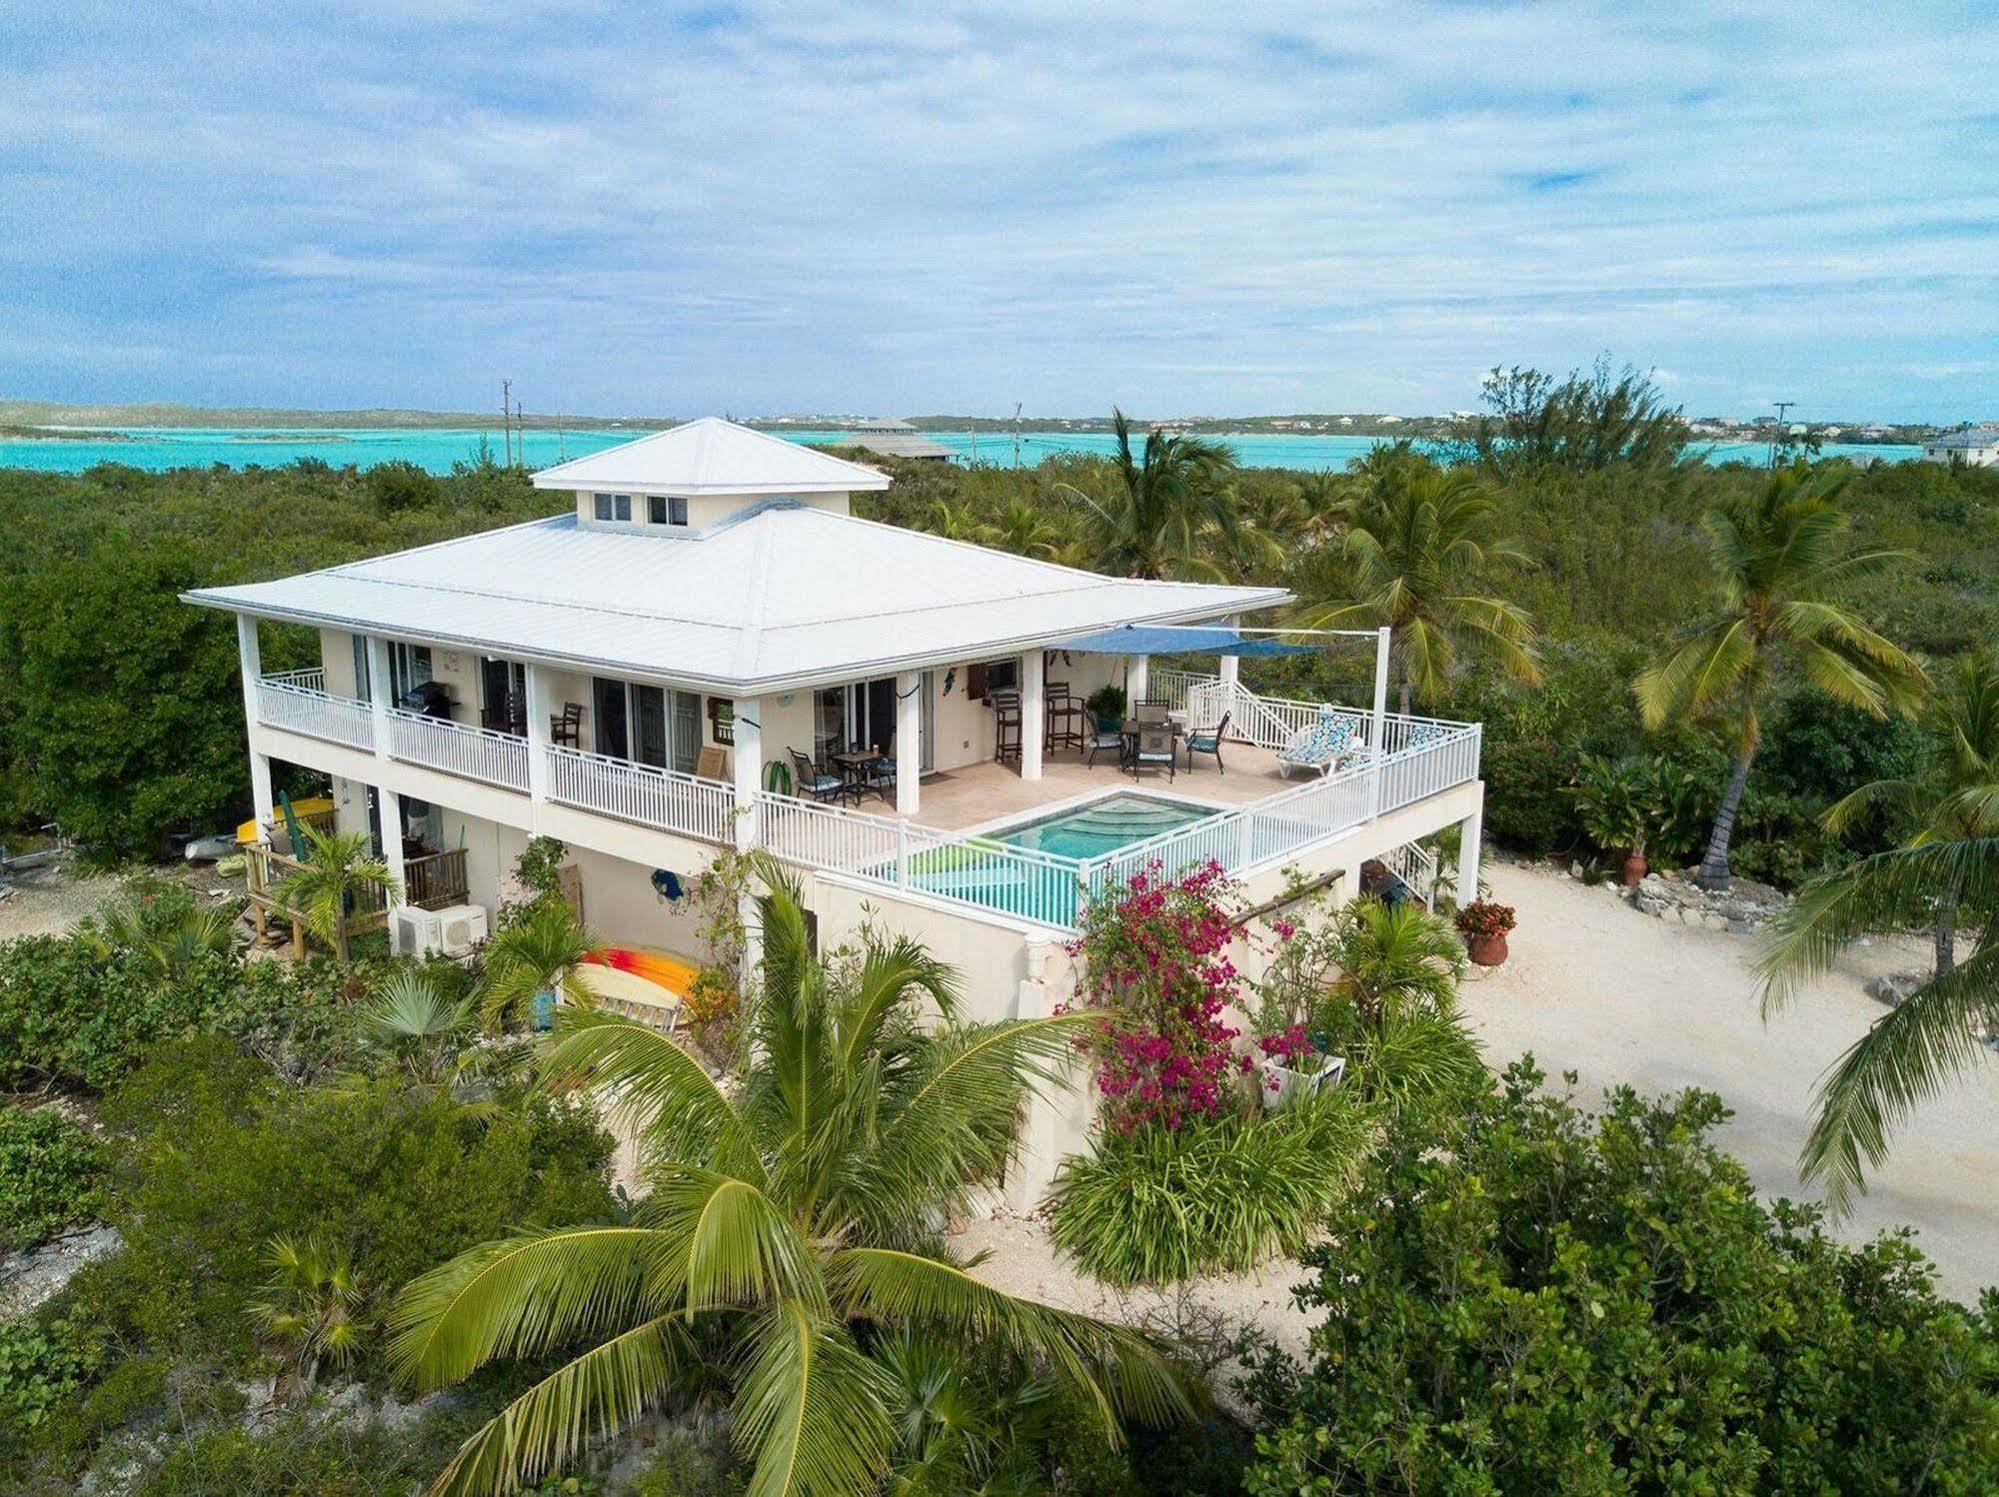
(1006, 727)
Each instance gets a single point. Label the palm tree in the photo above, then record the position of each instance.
(425, 1032)
(163, 927)
(1394, 957)
(790, 1219)
(537, 950)
(1419, 544)
(1165, 504)
(1779, 556)
(338, 871)
(1954, 795)
(1928, 1040)
(1025, 529)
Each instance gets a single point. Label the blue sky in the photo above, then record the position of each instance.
(1179, 207)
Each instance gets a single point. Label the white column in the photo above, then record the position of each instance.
(1134, 678)
(379, 687)
(1471, 832)
(1229, 669)
(538, 715)
(908, 741)
(389, 807)
(747, 764)
(1378, 730)
(262, 799)
(1033, 712)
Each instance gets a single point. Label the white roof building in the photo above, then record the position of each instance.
(1972, 446)
(712, 456)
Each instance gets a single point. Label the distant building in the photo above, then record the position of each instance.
(893, 438)
(1973, 446)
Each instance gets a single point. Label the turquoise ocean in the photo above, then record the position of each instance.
(436, 450)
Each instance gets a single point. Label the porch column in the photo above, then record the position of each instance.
(262, 799)
(1471, 831)
(1229, 670)
(1135, 668)
(1033, 712)
(1378, 730)
(389, 807)
(908, 741)
(746, 761)
(379, 687)
(538, 716)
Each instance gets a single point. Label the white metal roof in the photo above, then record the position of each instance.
(711, 456)
(782, 596)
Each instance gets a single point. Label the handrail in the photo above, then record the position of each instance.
(667, 799)
(293, 708)
(476, 753)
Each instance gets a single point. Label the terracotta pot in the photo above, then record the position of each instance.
(1635, 869)
(1488, 951)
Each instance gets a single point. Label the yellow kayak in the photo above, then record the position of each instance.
(305, 810)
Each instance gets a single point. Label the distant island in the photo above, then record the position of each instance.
(49, 419)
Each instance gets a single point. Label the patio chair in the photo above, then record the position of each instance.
(1006, 728)
(1102, 742)
(1320, 747)
(566, 727)
(879, 772)
(1154, 752)
(1208, 741)
(1151, 712)
(1063, 717)
(820, 784)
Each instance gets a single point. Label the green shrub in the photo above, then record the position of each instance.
(49, 1171)
(684, 1465)
(1158, 1205)
(69, 1014)
(1526, 1297)
(298, 1458)
(220, 1157)
(43, 1361)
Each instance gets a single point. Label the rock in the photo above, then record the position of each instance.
(31, 1278)
(1896, 988)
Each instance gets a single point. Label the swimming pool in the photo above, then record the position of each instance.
(1102, 826)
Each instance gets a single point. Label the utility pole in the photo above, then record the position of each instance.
(507, 420)
(1016, 434)
(1783, 432)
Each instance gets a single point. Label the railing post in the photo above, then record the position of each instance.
(379, 687)
(1383, 646)
(902, 855)
(251, 659)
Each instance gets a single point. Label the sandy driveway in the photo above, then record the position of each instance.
(1596, 987)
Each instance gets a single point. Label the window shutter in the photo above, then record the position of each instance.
(975, 682)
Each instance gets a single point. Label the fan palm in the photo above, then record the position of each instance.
(1166, 503)
(537, 950)
(1930, 1039)
(164, 928)
(424, 1031)
(1954, 795)
(1420, 544)
(338, 871)
(790, 1220)
(1780, 555)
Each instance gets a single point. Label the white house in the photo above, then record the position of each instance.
(1972, 446)
(710, 649)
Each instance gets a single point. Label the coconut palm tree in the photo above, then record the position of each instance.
(791, 1221)
(338, 871)
(1780, 556)
(1931, 1038)
(1954, 794)
(1166, 504)
(1420, 545)
(1395, 957)
(537, 949)
(1024, 529)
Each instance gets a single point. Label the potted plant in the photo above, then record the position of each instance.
(1106, 704)
(1618, 806)
(1484, 924)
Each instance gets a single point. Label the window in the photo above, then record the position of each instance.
(608, 697)
(663, 509)
(409, 668)
(614, 506)
(656, 510)
(677, 510)
(1003, 675)
(603, 506)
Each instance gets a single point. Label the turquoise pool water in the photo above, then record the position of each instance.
(435, 450)
(1104, 825)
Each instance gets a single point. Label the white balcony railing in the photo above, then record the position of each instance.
(283, 702)
(475, 753)
(1416, 758)
(661, 798)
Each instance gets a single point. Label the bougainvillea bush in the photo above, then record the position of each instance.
(1154, 962)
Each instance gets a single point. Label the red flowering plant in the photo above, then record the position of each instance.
(1484, 917)
(1154, 962)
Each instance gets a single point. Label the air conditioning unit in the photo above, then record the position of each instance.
(452, 931)
(460, 928)
(414, 931)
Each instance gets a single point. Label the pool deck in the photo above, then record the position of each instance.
(978, 794)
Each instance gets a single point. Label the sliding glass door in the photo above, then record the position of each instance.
(862, 716)
(648, 724)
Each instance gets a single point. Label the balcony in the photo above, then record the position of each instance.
(1258, 820)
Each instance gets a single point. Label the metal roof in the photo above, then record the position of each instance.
(1967, 436)
(711, 456)
(905, 444)
(782, 596)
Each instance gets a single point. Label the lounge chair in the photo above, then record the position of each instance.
(1320, 747)
(1208, 741)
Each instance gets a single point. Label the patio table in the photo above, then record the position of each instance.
(858, 767)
